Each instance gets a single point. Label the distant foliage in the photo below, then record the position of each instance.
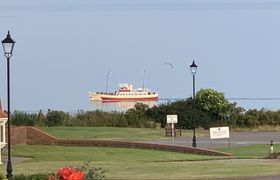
(184, 111)
(57, 118)
(136, 116)
(22, 118)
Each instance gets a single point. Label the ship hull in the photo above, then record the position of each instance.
(118, 98)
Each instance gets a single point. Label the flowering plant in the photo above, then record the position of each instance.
(85, 172)
(67, 173)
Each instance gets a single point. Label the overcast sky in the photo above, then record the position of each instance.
(65, 49)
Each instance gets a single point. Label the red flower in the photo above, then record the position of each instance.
(64, 173)
(76, 175)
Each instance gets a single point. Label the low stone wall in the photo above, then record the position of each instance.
(31, 135)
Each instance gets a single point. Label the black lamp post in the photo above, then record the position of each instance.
(193, 67)
(8, 46)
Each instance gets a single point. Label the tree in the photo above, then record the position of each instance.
(136, 116)
(212, 102)
(56, 118)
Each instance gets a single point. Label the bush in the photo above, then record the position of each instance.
(85, 172)
(56, 118)
(22, 118)
(275, 155)
(31, 177)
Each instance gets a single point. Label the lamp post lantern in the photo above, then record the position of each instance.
(193, 68)
(8, 46)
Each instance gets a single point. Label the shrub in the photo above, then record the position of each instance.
(85, 172)
(56, 118)
(31, 177)
(275, 155)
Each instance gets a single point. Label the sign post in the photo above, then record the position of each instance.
(172, 119)
(220, 133)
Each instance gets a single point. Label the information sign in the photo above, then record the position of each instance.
(219, 132)
(172, 119)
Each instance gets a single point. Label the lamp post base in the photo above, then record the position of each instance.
(194, 141)
(9, 174)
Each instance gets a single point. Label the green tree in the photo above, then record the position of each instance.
(184, 110)
(136, 116)
(214, 103)
(56, 118)
(20, 118)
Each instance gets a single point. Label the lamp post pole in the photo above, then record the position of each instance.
(8, 46)
(193, 68)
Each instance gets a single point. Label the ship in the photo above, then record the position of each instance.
(124, 93)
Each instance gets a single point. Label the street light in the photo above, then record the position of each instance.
(8, 46)
(193, 67)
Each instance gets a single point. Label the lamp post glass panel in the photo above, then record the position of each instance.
(193, 68)
(8, 46)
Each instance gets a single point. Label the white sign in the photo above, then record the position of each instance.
(172, 119)
(219, 132)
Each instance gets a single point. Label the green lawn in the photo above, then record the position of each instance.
(112, 133)
(121, 163)
(256, 151)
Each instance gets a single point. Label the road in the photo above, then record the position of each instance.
(236, 139)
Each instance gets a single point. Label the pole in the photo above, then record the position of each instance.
(107, 80)
(172, 132)
(194, 136)
(144, 78)
(9, 174)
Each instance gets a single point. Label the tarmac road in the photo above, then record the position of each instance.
(236, 139)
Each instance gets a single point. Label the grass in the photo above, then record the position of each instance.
(121, 163)
(112, 133)
(43, 153)
(256, 151)
(264, 128)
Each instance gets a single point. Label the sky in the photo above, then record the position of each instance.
(65, 48)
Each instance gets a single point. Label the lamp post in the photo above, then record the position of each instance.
(193, 68)
(8, 46)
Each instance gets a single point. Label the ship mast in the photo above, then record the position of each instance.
(108, 73)
(144, 78)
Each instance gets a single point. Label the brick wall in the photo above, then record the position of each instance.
(18, 135)
(29, 135)
(36, 136)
